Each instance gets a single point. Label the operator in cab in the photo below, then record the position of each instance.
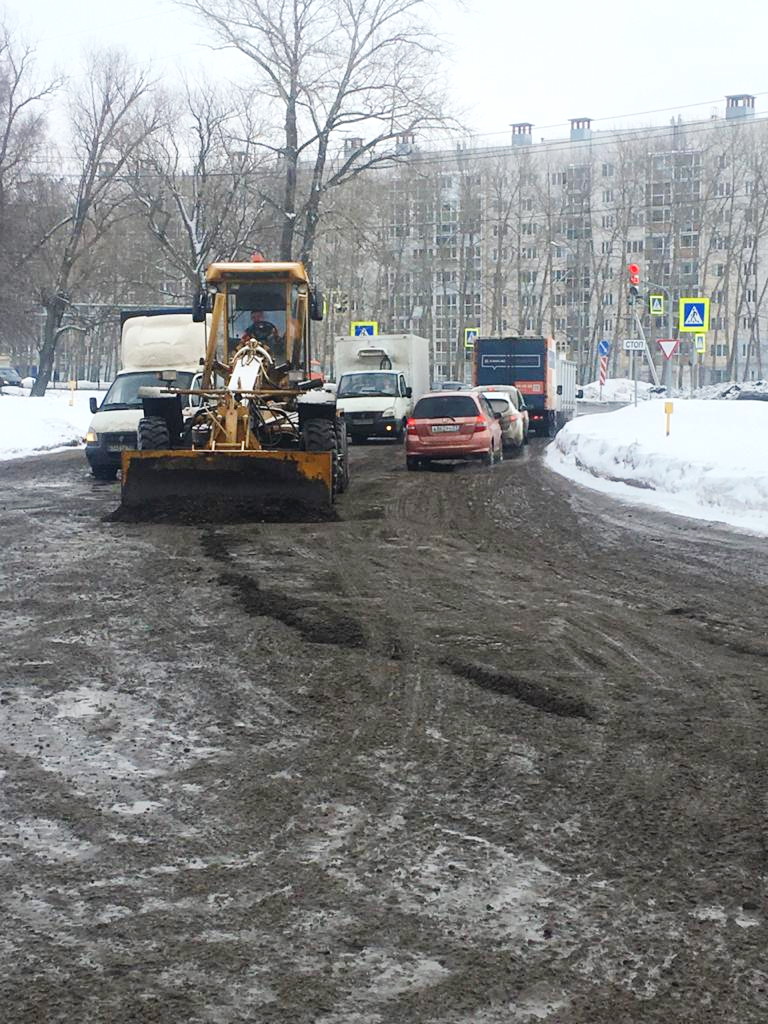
(261, 330)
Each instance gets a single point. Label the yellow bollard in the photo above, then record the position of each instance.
(668, 410)
(72, 385)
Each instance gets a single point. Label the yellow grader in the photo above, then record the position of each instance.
(259, 433)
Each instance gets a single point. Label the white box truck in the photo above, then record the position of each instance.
(153, 343)
(378, 380)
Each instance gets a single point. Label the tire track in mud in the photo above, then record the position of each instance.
(540, 696)
(316, 622)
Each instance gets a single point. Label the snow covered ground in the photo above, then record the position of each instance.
(622, 389)
(618, 389)
(713, 466)
(30, 425)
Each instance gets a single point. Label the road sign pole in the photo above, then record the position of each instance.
(651, 367)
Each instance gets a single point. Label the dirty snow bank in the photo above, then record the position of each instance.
(713, 466)
(618, 389)
(29, 425)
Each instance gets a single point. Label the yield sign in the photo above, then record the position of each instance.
(668, 346)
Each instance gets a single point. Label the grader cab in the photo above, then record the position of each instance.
(262, 434)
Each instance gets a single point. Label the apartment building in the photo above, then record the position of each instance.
(535, 237)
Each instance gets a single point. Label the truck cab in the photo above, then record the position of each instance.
(379, 380)
(376, 403)
(155, 345)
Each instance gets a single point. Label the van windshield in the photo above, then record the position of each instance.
(352, 385)
(124, 391)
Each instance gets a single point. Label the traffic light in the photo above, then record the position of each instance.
(633, 272)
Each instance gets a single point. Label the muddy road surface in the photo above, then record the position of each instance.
(488, 749)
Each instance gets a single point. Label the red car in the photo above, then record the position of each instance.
(452, 425)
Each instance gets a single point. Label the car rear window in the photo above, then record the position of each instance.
(498, 404)
(434, 406)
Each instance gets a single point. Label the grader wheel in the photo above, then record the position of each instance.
(153, 434)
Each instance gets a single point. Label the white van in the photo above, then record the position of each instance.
(153, 343)
(379, 380)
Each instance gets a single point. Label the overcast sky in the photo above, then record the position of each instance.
(544, 62)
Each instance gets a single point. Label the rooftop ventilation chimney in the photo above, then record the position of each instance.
(740, 106)
(521, 133)
(581, 129)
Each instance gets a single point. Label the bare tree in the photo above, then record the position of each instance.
(23, 100)
(110, 119)
(194, 182)
(332, 67)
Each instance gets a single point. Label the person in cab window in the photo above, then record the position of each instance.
(260, 330)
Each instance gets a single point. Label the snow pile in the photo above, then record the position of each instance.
(29, 425)
(618, 389)
(730, 389)
(714, 464)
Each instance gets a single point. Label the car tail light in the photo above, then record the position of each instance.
(481, 423)
(410, 426)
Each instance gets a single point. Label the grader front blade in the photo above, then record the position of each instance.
(220, 482)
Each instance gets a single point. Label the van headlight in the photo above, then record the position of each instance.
(388, 414)
(91, 437)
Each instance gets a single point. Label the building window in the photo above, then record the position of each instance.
(607, 195)
(608, 220)
(608, 170)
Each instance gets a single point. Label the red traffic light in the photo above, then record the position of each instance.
(634, 273)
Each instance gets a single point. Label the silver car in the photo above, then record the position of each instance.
(512, 421)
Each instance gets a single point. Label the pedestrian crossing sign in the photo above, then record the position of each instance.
(694, 315)
(656, 305)
(362, 327)
(470, 334)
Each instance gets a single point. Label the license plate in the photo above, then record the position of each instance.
(363, 419)
(120, 447)
(445, 428)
